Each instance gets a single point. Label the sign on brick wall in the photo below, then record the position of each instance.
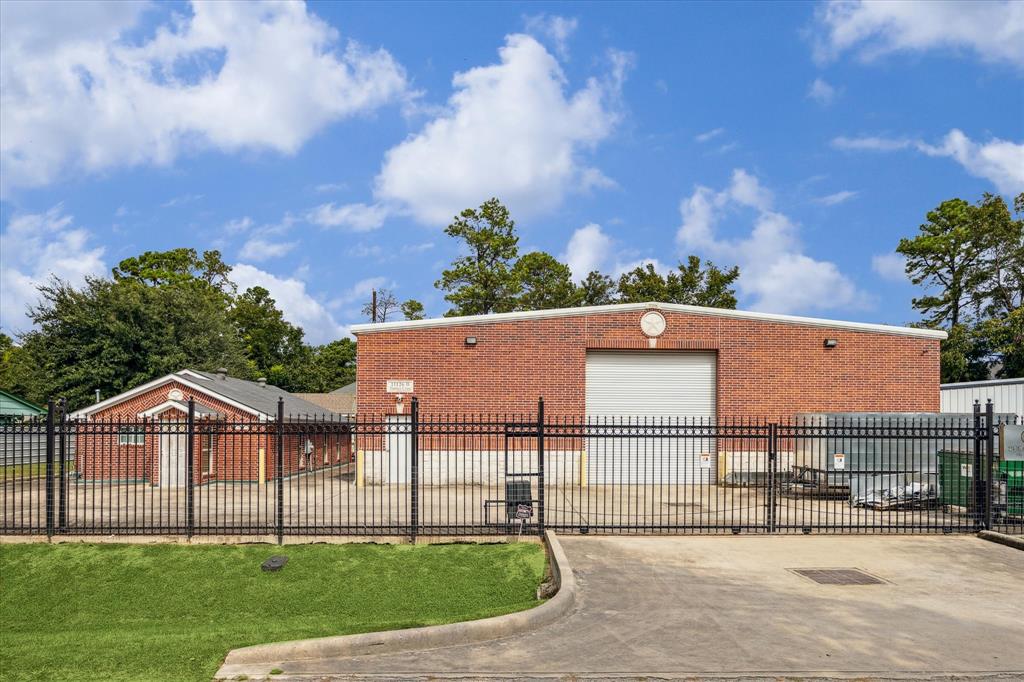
(399, 386)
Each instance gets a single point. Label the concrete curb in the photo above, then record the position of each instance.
(238, 661)
(1003, 539)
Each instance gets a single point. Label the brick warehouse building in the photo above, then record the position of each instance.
(139, 436)
(587, 361)
(649, 360)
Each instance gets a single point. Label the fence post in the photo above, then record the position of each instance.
(414, 470)
(279, 471)
(773, 463)
(540, 466)
(49, 467)
(62, 503)
(190, 496)
(990, 441)
(978, 492)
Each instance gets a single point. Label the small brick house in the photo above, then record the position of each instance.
(140, 436)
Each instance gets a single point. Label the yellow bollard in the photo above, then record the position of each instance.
(360, 471)
(583, 468)
(263, 466)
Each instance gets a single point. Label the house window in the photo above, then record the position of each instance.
(207, 446)
(130, 435)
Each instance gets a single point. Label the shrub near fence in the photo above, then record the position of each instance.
(451, 475)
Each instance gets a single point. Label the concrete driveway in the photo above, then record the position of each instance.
(732, 606)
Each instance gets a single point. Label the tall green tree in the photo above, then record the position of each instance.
(19, 371)
(692, 283)
(114, 335)
(482, 281)
(597, 289)
(412, 309)
(543, 283)
(969, 259)
(269, 340)
(943, 258)
(177, 266)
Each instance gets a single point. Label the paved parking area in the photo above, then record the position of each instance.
(330, 499)
(677, 607)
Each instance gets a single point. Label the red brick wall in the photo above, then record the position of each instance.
(765, 369)
(238, 439)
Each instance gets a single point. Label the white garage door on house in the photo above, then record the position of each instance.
(656, 388)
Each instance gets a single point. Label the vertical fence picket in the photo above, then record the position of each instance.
(190, 493)
(50, 407)
(414, 470)
(540, 466)
(279, 472)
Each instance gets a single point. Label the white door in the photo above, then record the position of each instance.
(172, 460)
(647, 390)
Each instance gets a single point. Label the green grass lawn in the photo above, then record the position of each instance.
(33, 470)
(172, 612)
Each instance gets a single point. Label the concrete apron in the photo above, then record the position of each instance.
(705, 607)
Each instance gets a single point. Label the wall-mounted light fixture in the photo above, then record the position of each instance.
(470, 340)
(831, 343)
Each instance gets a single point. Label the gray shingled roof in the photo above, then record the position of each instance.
(346, 389)
(260, 397)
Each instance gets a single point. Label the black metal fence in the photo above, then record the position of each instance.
(452, 475)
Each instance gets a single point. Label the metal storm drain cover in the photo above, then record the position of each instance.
(838, 576)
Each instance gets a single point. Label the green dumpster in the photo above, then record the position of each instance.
(1011, 474)
(956, 479)
(956, 483)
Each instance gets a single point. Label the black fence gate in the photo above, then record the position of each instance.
(436, 474)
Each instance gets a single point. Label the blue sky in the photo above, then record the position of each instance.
(323, 147)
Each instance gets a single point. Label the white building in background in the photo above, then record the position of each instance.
(1007, 395)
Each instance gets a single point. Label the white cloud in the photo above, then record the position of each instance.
(871, 143)
(556, 29)
(259, 249)
(890, 266)
(775, 274)
(709, 135)
(356, 217)
(588, 249)
(821, 92)
(836, 198)
(994, 31)
(297, 304)
(81, 93)
(999, 161)
(179, 201)
(238, 225)
(330, 187)
(35, 247)
(362, 290)
(621, 268)
(510, 130)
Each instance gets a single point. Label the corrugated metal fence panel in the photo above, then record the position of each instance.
(650, 388)
(1007, 398)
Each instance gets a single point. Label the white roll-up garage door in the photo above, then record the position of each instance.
(656, 388)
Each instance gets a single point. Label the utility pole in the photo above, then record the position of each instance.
(373, 305)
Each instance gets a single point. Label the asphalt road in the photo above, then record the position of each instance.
(703, 607)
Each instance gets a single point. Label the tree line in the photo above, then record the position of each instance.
(494, 278)
(158, 313)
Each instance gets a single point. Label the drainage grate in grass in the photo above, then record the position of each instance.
(838, 576)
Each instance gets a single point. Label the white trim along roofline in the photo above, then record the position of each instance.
(121, 397)
(496, 318)
(981, 384)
